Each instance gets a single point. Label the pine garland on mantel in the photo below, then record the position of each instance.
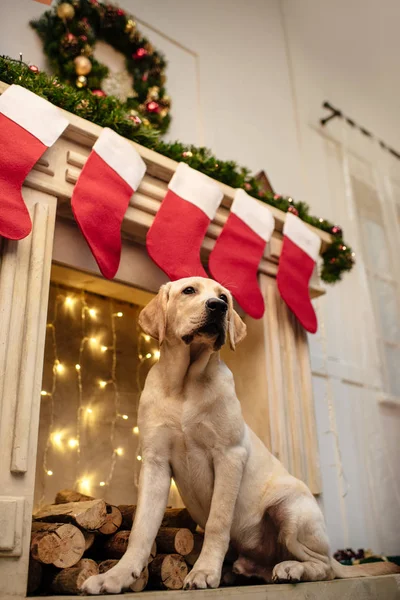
(110, 112)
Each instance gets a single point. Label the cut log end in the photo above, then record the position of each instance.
(168, 571)
(90, 514)
(174, 540)
(61, 545)
(113, 521)
(70, 581)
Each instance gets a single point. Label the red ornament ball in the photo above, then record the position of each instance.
(153, 107)
(99, 93)
(277, 197)
(247, 186)
(145, 76)
(336, 230)
(120, 12)
(293, 210)
(140, 53)
(34, 69)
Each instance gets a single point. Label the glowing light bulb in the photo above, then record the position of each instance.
(125, 417)
(73, 443)
(120, 314)
(102, 384)
(78, 367)
(147, 338)
(89, 410)
(69, 301)
(49, 473)
(119, 451)
(92, 312)
(102, 483)
(93, 341)
(85, 484)
(44, 393)
(136, 430)
(148, 355)
(156, 354)
(104, 348)
(60, 368)
(56, 438)
(138, 457)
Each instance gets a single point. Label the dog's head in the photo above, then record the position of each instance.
(193, 310)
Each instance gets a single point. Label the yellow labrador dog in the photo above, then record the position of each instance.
(191, 428)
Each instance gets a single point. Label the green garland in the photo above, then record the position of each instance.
(109, 112)
(69, 32)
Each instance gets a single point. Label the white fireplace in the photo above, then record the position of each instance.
(271, 366)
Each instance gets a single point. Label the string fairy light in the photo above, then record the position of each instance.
(68, 440)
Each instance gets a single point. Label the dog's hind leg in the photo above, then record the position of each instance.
(303, 536)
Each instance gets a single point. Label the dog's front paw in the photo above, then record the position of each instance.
(202, 578)
(108, 583)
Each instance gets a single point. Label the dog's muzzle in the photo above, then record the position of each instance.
(214, 325)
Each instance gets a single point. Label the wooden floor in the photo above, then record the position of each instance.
(386, 587)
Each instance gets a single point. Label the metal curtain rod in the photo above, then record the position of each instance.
(335, 112)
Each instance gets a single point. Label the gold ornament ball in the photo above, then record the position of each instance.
(81, 81)
(65, 11)
(130, 26)
(87, 50)
(154, 93)
(83, 66)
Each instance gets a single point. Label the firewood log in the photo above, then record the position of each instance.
(90, 514)
(113, 519)
(173, 517)
(66, 496)
(168, 571)
(45, 547)
(59, 544)
(35, 572)
(116, 545)
(198, 539)
(138, 586)
(174, 540)
(70, 581)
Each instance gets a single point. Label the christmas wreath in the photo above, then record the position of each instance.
(69, 33)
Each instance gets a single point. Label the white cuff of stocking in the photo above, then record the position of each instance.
(121, 156)
(34, 114)
(196, 188)
(301, 235)
(256, 215)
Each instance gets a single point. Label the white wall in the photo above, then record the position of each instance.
(264, 69)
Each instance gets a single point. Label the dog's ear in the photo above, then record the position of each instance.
(153, 318)
(236, 329)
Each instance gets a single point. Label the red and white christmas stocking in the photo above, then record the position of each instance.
(175, 237)
(296, 264)
(111, 175)
(28, 126)
(237, 253)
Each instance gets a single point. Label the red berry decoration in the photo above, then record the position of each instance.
(247, 186)
(120, 12)
(99, 93)
(34, 69)
(336, 230)
(153, 107)
(293, 210)
(277, 197)
(140, 53)
(137, 120)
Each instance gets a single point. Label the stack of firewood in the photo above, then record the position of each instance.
(79, 536)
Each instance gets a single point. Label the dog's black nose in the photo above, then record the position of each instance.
(216, 306)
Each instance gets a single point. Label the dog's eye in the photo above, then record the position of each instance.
(224, 298)
(189, 290)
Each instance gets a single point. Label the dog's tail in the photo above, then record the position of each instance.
(364, 570)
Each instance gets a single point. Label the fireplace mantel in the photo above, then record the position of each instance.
(271, 366)
(58, 170)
